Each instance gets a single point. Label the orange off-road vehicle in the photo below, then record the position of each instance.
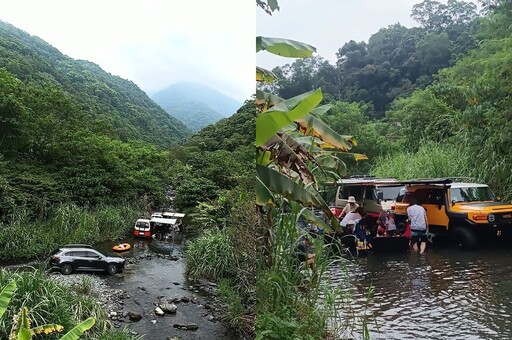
(466, 212)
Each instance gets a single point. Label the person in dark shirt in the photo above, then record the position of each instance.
(304, 252)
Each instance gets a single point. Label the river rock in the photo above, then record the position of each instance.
(188, 326)
(134, 316)
(159, 311)
(167, 306)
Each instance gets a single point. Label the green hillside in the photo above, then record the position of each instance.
(73, 134)
(108, 104)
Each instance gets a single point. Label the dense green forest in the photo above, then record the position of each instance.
(424, 101)
(72, 133)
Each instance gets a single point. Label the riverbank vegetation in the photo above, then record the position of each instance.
(426, 101)
(49, 302)
(213, 177)
(26, 239)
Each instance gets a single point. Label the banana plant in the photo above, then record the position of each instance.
(5, 296)
(282, 163)
(22, 330)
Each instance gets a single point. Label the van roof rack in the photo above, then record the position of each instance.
(462, 179)
(362, 177)
(76, 246)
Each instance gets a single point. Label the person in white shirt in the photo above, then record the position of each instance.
(357, 214)
(417, 217)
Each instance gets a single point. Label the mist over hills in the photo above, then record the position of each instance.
(194, 104)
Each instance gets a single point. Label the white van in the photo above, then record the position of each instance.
(142, 228)
(371, 193)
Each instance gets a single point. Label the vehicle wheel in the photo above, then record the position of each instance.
(465, 239)
(112, 269)
(66, 269)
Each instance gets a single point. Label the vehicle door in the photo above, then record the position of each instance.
(434, 202)
(94, 260)
(79, 259)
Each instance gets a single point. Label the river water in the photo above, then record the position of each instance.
(444, 294)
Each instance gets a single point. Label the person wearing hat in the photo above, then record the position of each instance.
(351, 206)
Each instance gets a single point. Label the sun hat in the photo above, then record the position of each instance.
(351, 199)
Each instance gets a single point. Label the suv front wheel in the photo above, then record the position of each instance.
(66, 269)
(465, 239)
(111, 269)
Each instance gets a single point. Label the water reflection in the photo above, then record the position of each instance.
(444, 294)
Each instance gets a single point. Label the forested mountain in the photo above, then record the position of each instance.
(395, 60)
(70, 133)
(195, 105)
(107, 104)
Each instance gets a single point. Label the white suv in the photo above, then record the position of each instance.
(371, 193)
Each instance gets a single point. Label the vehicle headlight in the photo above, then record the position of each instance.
(491, 218)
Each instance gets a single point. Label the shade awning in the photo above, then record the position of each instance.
(163, 220)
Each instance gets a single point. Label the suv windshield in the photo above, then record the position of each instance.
(471, 194)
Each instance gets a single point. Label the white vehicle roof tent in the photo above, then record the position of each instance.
(164, 220)
(173, 214)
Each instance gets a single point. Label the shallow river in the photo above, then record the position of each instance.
(444, 294)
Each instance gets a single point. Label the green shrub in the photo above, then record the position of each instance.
(210, 256)
(294, 303)
(26, 239)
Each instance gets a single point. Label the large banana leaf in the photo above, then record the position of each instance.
(313, 126)
(5, 296)
(284, 186)
(320, 110)
(264, 75)
(287, 153)
(332, 164)
(284, 47)
(263, 194)
(265, 100)
(79, 329)
(46, 329)
(311, 217)
(317, 147)
(284, 113)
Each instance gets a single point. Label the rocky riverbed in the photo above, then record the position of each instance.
(151, 298)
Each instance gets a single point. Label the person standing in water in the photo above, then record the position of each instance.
(417, 217)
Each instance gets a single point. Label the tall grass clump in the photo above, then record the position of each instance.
(432, 160)
(227, 256)
(50, 302)
(210, 256)
(67, 223)
(291, 300)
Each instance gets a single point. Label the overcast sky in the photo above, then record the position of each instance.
(156, 43)
(328, 24)
(153, 43)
